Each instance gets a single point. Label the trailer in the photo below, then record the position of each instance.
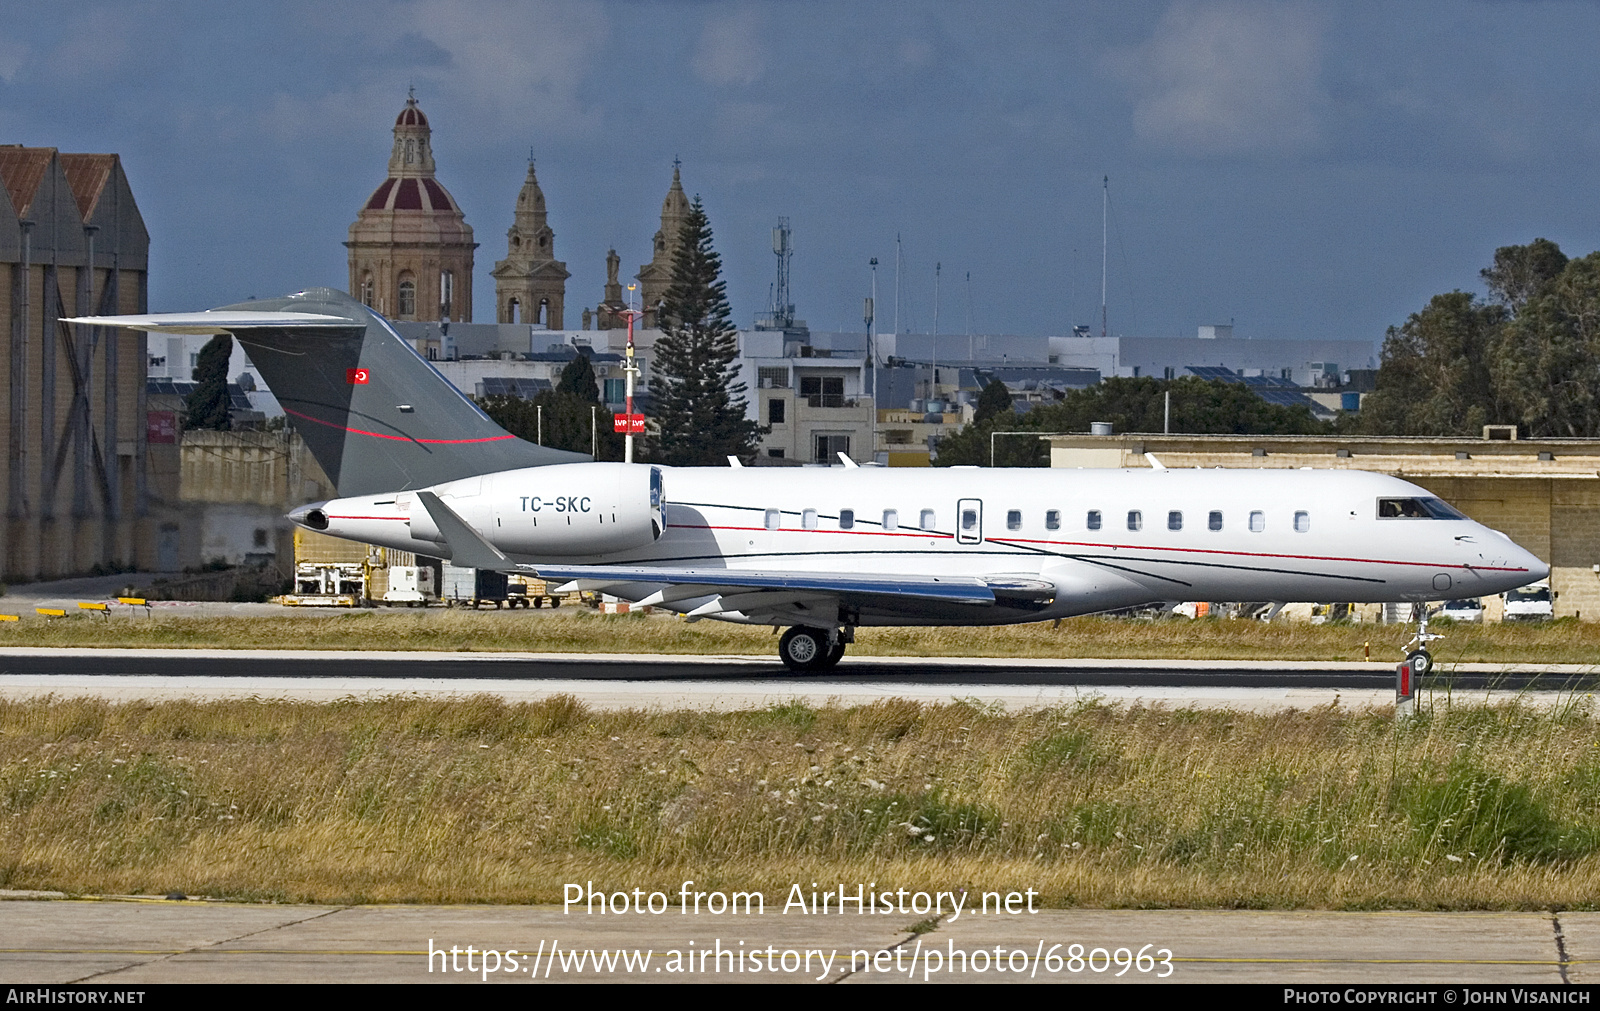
(467, 587)
(328, 584)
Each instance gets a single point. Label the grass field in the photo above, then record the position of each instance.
(1563, 641)
(474, 800)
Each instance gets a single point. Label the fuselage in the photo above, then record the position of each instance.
(1104, 538)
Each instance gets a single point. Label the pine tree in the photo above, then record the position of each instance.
(699, 405)
(207, 406)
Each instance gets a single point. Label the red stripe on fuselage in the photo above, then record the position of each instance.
(399, 438)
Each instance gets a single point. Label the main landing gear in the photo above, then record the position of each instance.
(1417, 656)
(810, 650)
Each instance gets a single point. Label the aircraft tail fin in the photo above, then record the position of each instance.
(373, 412)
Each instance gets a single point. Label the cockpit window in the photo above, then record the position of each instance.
(1417, 509)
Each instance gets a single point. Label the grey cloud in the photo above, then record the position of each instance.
(1228, 78)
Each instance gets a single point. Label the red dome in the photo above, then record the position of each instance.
(411, 115)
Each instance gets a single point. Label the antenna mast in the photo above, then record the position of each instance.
(896, 282)
(1105, 206)
(933, 385)
(780, 311)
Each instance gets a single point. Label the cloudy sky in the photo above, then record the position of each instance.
(1303, 169)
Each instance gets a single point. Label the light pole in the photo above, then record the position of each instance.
(630, 368)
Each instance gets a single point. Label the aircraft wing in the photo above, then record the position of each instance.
(709, 592)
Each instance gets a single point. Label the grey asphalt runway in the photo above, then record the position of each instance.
(724, 682)
(129, 943)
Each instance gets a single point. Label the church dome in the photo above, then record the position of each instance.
(410, 194)
(410, 245)
(411, 115)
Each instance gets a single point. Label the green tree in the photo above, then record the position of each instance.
(578, 378)
(572, 414)
(1520, 272)
(698, 403)
(1199, 406)
(993, 400)
(207, 405)
(1435, 376)
(1546, 364)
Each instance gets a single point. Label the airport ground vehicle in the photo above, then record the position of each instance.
(1469, 610)
(822, 552)
(1534, 602)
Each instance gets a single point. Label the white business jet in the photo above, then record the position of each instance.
(823, 552)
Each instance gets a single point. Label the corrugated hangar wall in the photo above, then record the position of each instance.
(75, 469)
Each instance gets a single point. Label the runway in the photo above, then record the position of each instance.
(726, 682)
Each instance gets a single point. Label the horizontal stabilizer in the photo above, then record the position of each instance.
(216, 321)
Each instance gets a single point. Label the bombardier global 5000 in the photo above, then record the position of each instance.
(824, 551)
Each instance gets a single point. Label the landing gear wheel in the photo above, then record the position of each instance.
(1420, 661)
(804, 649)
(834, 655)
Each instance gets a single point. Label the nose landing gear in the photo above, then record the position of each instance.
(1417, 656)
(810, 650)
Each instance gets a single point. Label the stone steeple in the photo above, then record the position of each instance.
(530, 284)
(656, 276)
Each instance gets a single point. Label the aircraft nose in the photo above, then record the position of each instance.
(1537, 570)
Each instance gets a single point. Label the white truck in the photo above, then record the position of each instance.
(1534, 602)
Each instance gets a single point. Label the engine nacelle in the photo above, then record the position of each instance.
(556, 511)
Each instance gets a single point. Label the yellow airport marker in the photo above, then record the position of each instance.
(51, 612)
(96, 606)
(10, 617)
(135, 602)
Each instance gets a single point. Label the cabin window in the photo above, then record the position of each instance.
(1174, 520)
(774, 519)
(1302, 522)
(1052, 519)
(891, 519)
(1135, 519)
(969, 519)
(808, 519)
(1014, 519)
(1258, 522)
(929, 520)
(1215, 521)
(847, 519)
(1094, 519)
(1416, 509)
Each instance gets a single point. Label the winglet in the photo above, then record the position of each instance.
(733, 461)
(1157, 464)
(467, 547)
(849, 463)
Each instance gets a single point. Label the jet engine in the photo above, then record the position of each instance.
(561, 510)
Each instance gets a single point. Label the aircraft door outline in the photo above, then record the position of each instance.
(969, 521)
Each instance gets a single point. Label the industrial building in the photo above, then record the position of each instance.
(77, 470)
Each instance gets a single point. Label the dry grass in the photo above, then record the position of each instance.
(475, 800)
(1564, 641)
